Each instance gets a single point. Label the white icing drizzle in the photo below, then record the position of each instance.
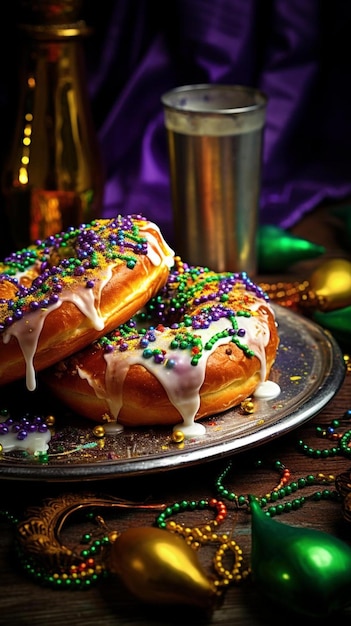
(267, 389)
(34, 443)
(183, 382)
(27, 331)
(157, 253)
(88, 302)
(192, 430)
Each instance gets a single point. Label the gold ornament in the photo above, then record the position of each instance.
(331, 283)
(159, 567)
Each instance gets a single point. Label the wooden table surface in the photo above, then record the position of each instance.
(25, 602)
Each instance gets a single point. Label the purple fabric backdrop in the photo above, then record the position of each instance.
(296, 51)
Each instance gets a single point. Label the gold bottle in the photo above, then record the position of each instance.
(53, 178)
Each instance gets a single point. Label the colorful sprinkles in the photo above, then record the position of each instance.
(63, 259)
(192, 300)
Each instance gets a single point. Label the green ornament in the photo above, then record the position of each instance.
(338, 322)
(305, 570)
(278, 249)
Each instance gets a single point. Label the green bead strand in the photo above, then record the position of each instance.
(328, 431)
(192, 505)
(344, 444)
(270, 501)
(316, 453)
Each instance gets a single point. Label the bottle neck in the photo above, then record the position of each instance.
(55, 32)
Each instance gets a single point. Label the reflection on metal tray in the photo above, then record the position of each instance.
(309, 370)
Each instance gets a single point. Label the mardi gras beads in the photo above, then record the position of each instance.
(340, 441)
(205, 534)
(284, 489)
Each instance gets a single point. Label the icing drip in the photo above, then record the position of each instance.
(28, 329)
(225, 309)
(89, 303)
(27, 332)
(267, 389)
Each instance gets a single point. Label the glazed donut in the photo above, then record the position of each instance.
(199, 347)
(63, 293)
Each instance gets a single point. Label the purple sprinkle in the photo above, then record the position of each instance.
(21, 435)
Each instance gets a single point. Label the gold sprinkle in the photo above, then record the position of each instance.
(99, 431)
(113, 536)
(107, 418)
(177, 436)
(50, 420)
(248, 406)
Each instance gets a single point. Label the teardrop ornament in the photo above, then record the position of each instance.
(331, 282)
(278, 249)
(305, 570)
(160, 567)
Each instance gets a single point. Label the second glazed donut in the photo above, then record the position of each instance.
(199, 347)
